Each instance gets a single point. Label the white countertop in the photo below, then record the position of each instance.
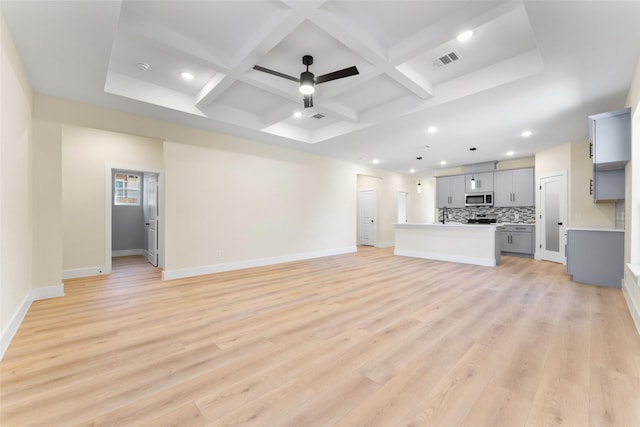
(617, 230)
(422, 225)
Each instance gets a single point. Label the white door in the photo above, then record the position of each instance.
(402, 207)
(553, 217)
(367, 217)
(151, 190)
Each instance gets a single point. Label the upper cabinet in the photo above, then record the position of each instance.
(450, 191)
(513, 188)
(483, 180)
(610, 135)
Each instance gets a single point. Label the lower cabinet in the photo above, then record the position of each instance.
(596, 256)
(517, 239)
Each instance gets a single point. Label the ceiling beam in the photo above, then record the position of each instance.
(360, 40)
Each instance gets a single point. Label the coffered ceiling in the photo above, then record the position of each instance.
(540, 65)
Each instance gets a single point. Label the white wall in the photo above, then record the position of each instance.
(47, 204)
(15, 189)
(583, 212)
(387, 186)
(574, 158)
(631, 283)
(632, 183)
(227, 208)
(85, 154)
(247, 202)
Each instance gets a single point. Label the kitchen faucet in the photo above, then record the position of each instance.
(444, 213)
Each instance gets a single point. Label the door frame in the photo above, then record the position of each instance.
(564, 208)
(108, 202)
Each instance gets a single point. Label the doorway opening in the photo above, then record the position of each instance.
(133, 212)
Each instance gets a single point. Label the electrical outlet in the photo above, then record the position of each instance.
(219, 253)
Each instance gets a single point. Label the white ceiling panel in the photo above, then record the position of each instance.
(376, 92)
(541, 65)
(131, 52)
(250, 98)
(488, 46)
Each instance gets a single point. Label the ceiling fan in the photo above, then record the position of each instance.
(308, 81)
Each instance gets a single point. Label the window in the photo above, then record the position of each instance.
(127, 189)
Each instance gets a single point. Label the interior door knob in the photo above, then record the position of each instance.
(371, 220)
(559, 223)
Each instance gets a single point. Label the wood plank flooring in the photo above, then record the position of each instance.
(365, 339)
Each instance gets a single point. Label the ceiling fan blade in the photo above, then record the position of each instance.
(276, 73)
(308, 101)
(347, 72)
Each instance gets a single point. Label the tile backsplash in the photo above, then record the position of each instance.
(526, 215)
(620, 214)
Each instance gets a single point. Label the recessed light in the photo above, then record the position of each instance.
(526, 133)
(432, 129)
(443, 162)
(412, 170)
(509, 153)
(464, 36)
(297, 114)
(187, 75)
(376, 161)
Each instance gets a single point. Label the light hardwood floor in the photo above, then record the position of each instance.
(364, 339)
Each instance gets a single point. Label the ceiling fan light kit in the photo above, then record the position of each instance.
(307, 79)
(307, 83)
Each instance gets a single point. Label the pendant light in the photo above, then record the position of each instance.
(473, 178)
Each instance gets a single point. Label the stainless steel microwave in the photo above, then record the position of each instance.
(478, 199)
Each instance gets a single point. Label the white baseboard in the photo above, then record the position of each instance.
(385, 244)
(83, 272)
(11, 329)
(34, 295)
(54, 291)
(486, 262)
(128, 252)
(260, 262)
(631, 291)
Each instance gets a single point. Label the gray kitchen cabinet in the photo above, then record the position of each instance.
(513, 188)
(610, 150)
(484, 182)
(450, 191)
(610, 135)
(607, 185)
(595, 256)
(517, 239)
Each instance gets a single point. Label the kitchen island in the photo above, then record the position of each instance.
(477, 244)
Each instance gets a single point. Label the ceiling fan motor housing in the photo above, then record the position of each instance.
(307, 60)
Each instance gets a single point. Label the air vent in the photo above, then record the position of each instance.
(446, 59)
(318, 116)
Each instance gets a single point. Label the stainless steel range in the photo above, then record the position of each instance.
(482, 219)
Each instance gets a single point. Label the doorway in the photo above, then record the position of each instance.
(367, 217)
(149, 195)
(553, 217)
(150, 209)
(402, 206)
